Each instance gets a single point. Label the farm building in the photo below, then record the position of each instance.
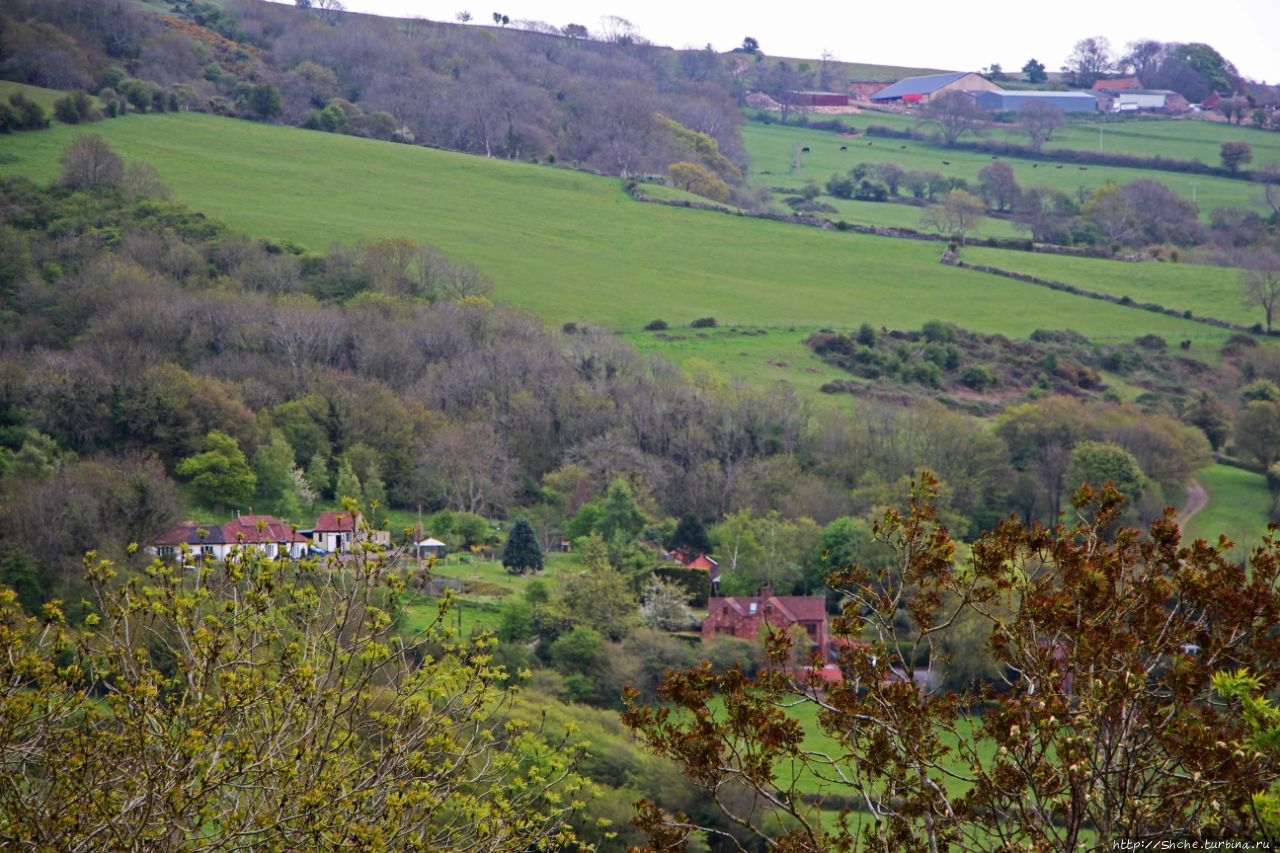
(1068, 102)
(1117, 84)
(814, 99)
(920, 89)
(1136, 100)
(864, 91)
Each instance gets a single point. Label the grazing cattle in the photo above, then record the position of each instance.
(1059, 166)
(946, 162)
(1083, 168)
(844, 147)
(1035, 165)
(994, 157)
(902, 147)
(804, 150)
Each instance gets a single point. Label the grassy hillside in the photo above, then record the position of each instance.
(1238, 508)
(44, 97)
(778, 159)
(570, 246)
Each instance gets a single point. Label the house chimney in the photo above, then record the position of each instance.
(766, 591)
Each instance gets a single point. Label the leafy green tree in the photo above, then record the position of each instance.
(348, 484)
(1211, 416)
(238, 706)
(691, 536)
(620, 515)
(597, 595)
(1066, 748)
(221, 474)
(521, 554)
(1257, 431)
(699, 180)
(273, 466)
(20, 573)
(318, 476)
(264, 100)
(1098, 463)
(738, 549)
(1034, 70)
(1261, 739)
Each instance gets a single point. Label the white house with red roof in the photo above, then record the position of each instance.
(271, 535)
(336, 531)
(275, 537)
(201, 540)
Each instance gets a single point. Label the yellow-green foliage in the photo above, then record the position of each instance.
(699, 180)
(265, 704)
(705, 146)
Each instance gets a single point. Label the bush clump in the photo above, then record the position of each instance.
(704, 323)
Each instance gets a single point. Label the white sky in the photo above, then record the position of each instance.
(948, 35)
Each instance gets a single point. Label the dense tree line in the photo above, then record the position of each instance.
(139, 338)
(603, 103)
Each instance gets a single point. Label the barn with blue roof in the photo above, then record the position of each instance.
(915, 90)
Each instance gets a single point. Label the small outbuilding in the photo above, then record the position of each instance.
(814, 99)
(431, 547)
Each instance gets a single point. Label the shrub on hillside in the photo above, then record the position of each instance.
(704, 323)
(76, 108)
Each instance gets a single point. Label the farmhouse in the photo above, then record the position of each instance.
(1155, 100)
(335, 532)
(271, 535)
(746, 616)
(915, 90)
(1068, 102)
(203, 540)
(275, 537)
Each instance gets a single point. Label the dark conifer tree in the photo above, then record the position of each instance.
(690, 536)
(521, 553)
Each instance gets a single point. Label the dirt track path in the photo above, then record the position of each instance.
(1197, 499)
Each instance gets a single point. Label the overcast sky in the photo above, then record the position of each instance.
(923, 34)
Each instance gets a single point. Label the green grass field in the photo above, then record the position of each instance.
(777, 159)
(1203, 290)
(1239, 508)
(488, 588)
(44, 97)
(570, 246)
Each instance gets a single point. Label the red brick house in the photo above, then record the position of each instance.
(746, 616)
